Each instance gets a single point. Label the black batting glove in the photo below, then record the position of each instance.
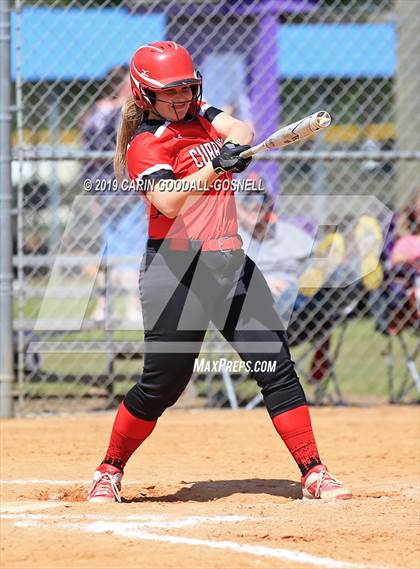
(229, 160)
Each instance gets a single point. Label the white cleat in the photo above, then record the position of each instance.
(106, 485)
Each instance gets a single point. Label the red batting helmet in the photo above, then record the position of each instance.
(162, 65)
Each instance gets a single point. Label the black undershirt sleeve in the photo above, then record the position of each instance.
(154, 177)
(211, 113)
(160, 175)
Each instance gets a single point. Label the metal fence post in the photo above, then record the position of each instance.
(407, 99)
(6, 273)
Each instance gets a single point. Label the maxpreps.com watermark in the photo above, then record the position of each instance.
(202, 365)
(112, 185)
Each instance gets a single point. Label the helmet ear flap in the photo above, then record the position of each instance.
(198, 89)
(197, 93)
(148, 95)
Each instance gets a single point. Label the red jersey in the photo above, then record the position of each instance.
(173, 150)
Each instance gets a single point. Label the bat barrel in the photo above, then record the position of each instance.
(321, 119)
(294, 132)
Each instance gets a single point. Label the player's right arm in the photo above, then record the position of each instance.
(152, 167)
(192, 187)
(149, 161)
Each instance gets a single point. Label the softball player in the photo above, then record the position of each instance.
(194, 270)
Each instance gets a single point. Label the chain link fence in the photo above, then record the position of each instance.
(335, 233)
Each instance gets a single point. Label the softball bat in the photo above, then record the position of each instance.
(292, 133)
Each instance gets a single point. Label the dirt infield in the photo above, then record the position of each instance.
(212, 489)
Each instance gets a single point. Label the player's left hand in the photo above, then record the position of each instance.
(229, 160)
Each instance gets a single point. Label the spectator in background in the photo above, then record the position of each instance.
(282, 249)
(100, 123)
(395, 303)
(405, 261)
(279, 247)
(406, 249)
(122, 217)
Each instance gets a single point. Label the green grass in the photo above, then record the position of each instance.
(362, 362)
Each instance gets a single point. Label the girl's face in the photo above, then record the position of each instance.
(172, 104)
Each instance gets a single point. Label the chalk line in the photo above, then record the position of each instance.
(134, 530)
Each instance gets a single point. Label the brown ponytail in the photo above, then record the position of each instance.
(131, 117)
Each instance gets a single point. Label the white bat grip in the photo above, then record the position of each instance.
(250, 152)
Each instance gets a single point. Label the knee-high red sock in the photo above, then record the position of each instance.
(295, 429)
(128, 432)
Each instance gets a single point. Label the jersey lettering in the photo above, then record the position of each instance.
(206, 151)
(184, 148)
